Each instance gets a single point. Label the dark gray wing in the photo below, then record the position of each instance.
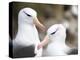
(21, 52)
(73, 52)
(18, 51)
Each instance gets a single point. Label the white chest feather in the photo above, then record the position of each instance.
(27, 35)
(57, 45)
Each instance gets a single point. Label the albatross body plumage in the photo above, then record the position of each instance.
(56, 45)
(27, 34)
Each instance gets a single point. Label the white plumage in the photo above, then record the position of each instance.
(27, 33)
(74, 10)
(57, 36)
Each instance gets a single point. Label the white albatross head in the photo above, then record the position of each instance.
(29, 16)
(74, 10)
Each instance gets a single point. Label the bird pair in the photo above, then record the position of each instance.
(27, 40)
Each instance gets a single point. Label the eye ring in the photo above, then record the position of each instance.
(27, 14)
(54, 32)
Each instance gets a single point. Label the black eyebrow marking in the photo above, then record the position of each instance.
(54, 32)
(27, 14)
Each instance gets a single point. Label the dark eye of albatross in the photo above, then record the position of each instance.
(54, 32)
(27, 14)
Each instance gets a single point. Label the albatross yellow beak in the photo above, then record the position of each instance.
(38, 24)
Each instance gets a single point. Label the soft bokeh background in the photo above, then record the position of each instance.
(49, 14)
